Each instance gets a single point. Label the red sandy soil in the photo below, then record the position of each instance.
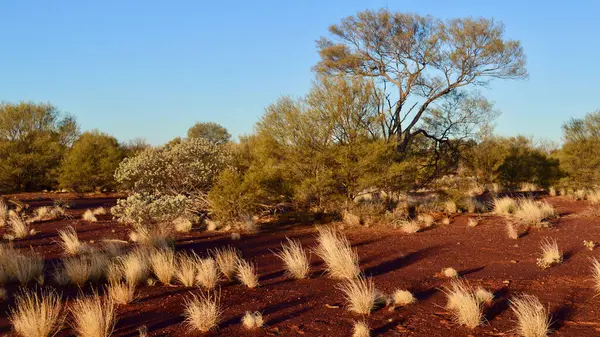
(484, 255)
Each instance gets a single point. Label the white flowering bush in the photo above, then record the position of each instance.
(185, 168)
(141, 209)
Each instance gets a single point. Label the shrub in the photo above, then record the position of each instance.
(202, 313)
(246, 273)
(294, 258)
(252, 320)
(464, 304)
(210, 131)
(532, 318)
(208, 274)
(187, 168)
(234, 196)
(551, 254)
(360, 295)
(37, 315)
(162, 262)
(227, 260)
(69, 242)
(91, 162)
(341, 261)
(93, 316)
(143, 209)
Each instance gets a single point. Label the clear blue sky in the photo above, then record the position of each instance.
(152, 68)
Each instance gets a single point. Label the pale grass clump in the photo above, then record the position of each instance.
(552, 192)
(551, 254)
(246, 273)
(162, 262)
(93, 316)
(410, 226)
(504, 206)
(100, 211)
(134, 266)
(596, 274)
(450, 207)
(450, 272)
(351, 219)
(202, 313)
(113, 248)
(294, 258)
(207, 274)
(360, 295)
(590, 245)
(37, 315)
(341, 260)
(579, 194)
(69, 242)
(446, 221)
(472, 222)
(156, 236)
(3, 294)
(121, 293)
(3, 213)
(227, 260)
(47, 213)
(361, 329)
(89, 216)
(464, 304)
(235, 236)
(512, 231)
(81, 269)
(143, 331)
(21, 267)
(484, 296)
(182, 225)
(252, 320)
(17, 228)
(187, 268)
(402, 298)
(533, 319)
(594, 196)
(534, 213)
(426, 220)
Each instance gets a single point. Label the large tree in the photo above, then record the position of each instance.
(33, 140)
(210, 131)
(417, 62)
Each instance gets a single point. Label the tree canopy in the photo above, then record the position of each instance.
(210, 131)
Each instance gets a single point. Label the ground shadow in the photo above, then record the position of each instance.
(401, 261)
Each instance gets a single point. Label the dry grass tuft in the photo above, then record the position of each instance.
(350, 219)
(532, 318)
(134, 266)
(534, 213)
(182, 225)
(69, 242)
(3, 294)
(551, 254)
(472, 222)
(227, 259)
(202, 313)
(162, 262)
(187, 268)
(341, 261)
(360, 295)
(120, 293)
(512, 232)
(100, 211)
(235, 236)
(426, 220)
(589, 245)
(47, 213)
(246, 273)
(450, 207)
(3, 213)
(484, 296)
(361, 329)
(252, 320)
(93, 316)
(552, 192)
(464, 304)
(294, 258)
(89, 216)
(410, 227)
(504, 206)
(596, 274)
(207, 274)
(594, 196)
(37, 315)
(450, 272)
(17, 228)
(81, 269)
(21, 267)
(402, 298)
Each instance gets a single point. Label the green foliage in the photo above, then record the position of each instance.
(210, 131)
(234, 196)
(33, 141)
(580, 153)
(91, 163)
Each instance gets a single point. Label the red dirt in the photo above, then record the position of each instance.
(484, 255)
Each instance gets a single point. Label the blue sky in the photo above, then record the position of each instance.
(152, 68)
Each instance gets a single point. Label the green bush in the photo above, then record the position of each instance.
(90, 164)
